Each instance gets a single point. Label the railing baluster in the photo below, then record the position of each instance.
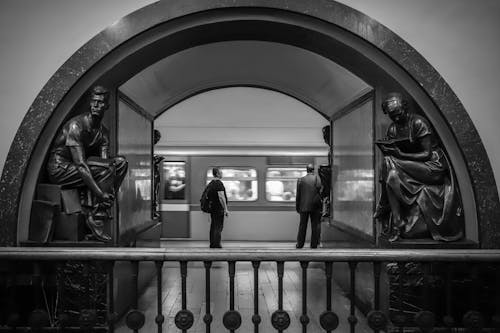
(135, 284)
(448, 320)
(328, 273)
(135, 319)
(208, 316)
(328, 319)
(426, 285)
(63, 318)
(88, 316)
(38, 317)
(401, 319)
(13, 318)
(232, 272)
(280, 265)
(111, 300)
(377, 320)
(376, 274)
(352, 317)
(304, 319)
(256, 317)
(159, 277)
(475, 287)
(473, 320)
(280, 318)
(232, 318)
(184, 319)
(37, 285)
(86, 274)
(426, 319)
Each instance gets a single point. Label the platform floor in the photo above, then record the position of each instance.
(268, 293)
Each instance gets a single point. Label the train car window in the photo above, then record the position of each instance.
(281, 183)
(240, 183)
(174, 175)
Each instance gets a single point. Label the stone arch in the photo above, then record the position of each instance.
(175, 25)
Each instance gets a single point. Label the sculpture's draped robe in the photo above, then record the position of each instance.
(426, 189)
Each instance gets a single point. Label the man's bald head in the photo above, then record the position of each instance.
(310, 168)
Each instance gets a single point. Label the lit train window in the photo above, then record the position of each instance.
(240, 183)
(174, 175)
(281, 183)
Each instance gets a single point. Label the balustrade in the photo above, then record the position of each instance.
(403, 262)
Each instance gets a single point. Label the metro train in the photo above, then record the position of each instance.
(260, 189)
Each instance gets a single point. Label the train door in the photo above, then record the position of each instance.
(174, 203)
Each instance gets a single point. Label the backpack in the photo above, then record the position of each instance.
(205, 203)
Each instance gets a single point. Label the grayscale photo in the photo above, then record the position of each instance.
(249, 166)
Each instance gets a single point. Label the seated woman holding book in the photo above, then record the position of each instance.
(419, 196)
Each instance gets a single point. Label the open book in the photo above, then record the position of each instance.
(400, 142)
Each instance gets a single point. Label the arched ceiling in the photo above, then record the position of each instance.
(245, 117)
(315, 80)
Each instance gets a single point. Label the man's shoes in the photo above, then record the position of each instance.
(297, 246)
(96, 227)
(216, 247)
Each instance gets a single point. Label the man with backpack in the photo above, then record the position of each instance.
(214, 201)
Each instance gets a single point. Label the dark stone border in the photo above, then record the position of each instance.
(59, 85)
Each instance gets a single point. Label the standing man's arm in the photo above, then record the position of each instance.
(223, 202)
(297, 197)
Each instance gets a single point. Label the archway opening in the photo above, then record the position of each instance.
(272, 25)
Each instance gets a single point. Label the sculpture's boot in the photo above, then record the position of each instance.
(96, 226)
(394, 235)
(383, 215)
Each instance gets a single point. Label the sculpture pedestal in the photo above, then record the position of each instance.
(424, 244)
(64, 243)
(56, 215)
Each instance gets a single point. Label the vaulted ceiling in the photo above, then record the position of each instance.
(311, 78)
(182, 85)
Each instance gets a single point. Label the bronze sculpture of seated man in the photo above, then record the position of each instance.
(79, 159)
(419, 196)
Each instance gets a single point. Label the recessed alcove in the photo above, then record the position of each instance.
(379, 58)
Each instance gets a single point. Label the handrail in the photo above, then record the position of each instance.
(250, 254)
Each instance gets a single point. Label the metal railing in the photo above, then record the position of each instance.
(382, 260)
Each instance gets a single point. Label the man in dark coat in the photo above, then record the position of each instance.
(218, 197)
(308, 205)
